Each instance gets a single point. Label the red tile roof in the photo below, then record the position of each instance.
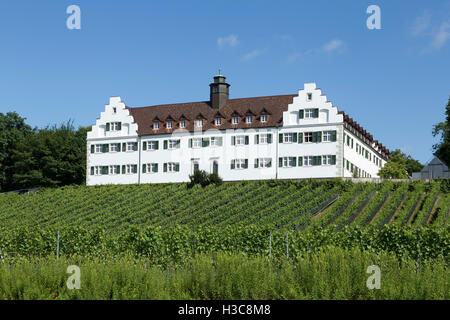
(272, 105)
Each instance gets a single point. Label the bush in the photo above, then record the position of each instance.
(203, 178)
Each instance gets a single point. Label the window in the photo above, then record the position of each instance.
(150, 168)
(195, 166)
(130, 169)
(264, 118)
(288, 137)
(288, 162)
(152, 145)
(183, 124)
(115, 126)
(173, 144)
(114, 110)
(249, 119)
(216, 141)
(235, 120)
(264, 138)
(329, 160)
(199, 123)
(114, 169)
(172, 167)
(308, 137)
(263, 163)
(132, 146)
(156, 125)
(240, 140)
(218, 121)
(197, 142)
(308, 161)
(327, 136)
(239, 164)
(169, 125)
(309, 113)
(115, 147)
(98, 148)
(309, 96)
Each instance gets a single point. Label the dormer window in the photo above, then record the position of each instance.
(218, 121)
(183, 124)
(114, 110)
(235, 120)
(199, 123)
(113, 126)
(169, 125)
(309, 96)
(156, 125)
(264, 118)
(249, 119)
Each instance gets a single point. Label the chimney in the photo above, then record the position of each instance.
(219, 92)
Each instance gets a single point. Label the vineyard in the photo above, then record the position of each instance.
(287, 205)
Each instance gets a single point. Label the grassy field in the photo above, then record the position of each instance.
(334, 273)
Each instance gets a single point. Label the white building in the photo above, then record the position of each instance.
(275, 137)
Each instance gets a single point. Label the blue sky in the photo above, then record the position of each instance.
(394, 81)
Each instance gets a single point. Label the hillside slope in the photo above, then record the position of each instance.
(283, 204)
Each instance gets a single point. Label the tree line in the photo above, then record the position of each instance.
(49, 157)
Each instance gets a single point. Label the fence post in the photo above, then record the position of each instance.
(270, 244)
(287, 245)
(57, 246)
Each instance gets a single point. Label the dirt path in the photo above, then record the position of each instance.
(433, 211)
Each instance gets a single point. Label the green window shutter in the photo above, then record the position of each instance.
(300, 161)
(107, 126)
(124, 147)
(104, 170)
(294, 162)
(144, 168)
(92, 148)
(257, 139)
(280, 138)
(280, 162)
(333, 135)
(233, 141)
(333, 159)
(92, 171)
(316, 113)
(135, 146)
(246, 140)
(233, 164)
(269, 138)
(319, 136)
(246, 164)
(144, 145)
(177, 167)
(165, 167)
(300, 137)
(220, 141)
(319, 160)
(156, 167)
(120, 126)
(165, 144)
(301, 114)
(105, 148)
(156, 145)
(294, 137)
(178, 144)
(134, 168)
(123, 169)
(118, 147)
(205, 142)
(352, 143)
(190, 143)
(256, 163)
(269, 164)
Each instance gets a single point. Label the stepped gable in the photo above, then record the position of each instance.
(271, 105)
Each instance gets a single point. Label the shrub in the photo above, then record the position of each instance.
(203, 178)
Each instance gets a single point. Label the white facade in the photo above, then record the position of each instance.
(312, 129)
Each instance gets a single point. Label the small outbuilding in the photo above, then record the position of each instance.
(435, 169)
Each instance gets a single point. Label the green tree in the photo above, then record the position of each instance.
(13, 131)
(442, 149)
(411, 164)
(394, 170)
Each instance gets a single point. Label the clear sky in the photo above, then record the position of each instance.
(395, 81)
